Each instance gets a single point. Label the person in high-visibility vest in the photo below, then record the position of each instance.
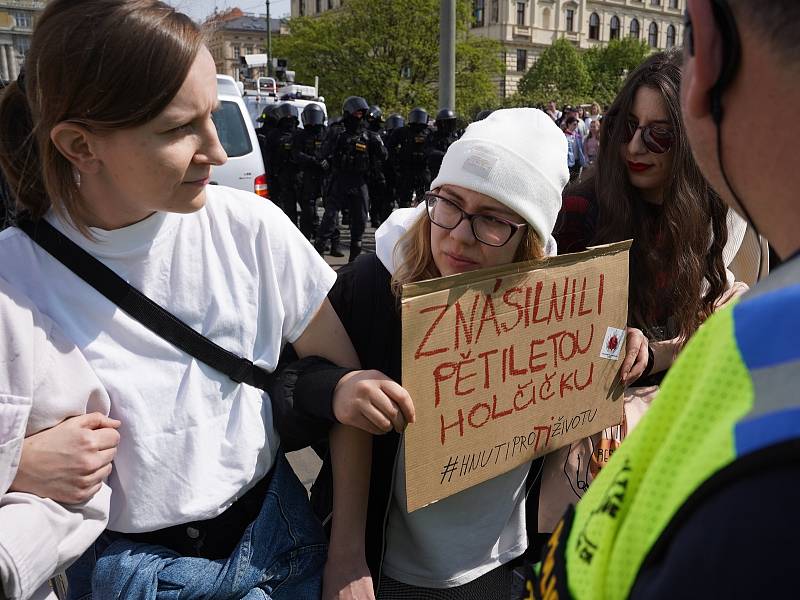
(701, 499)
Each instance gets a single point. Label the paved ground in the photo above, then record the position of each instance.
(305, 462)
(367, 245)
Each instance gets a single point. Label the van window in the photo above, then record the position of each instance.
(231, 129)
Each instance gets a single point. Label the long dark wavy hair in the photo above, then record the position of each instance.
(676, 266)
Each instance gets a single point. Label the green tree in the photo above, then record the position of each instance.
(388, 52)
(608, 66)
(560, 74)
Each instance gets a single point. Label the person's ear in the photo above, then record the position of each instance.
(76, 143)
(702, 66)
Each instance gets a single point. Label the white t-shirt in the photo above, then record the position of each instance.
(237, 271)
(459, 538)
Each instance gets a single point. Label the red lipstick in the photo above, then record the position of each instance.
(638, 167)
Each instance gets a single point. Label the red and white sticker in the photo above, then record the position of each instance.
(612, 343)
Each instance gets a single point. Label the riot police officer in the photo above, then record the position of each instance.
(409, 147)
(352, 154)
(307, 155)
(393, 126)
(268, 123)
(441, 139)
(378, 197)
(279, 143)
(335, 127)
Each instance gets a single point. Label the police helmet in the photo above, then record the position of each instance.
(268, 114)
(354, 104)
(374, 113)
(418, 116)
(313, 115)
(287, 110)
(394, 121)
(445, 115)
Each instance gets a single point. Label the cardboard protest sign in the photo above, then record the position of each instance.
(509, 363)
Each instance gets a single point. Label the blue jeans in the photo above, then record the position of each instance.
(280, 557)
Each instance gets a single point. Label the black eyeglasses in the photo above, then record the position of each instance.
(658, 139)
(487, 229)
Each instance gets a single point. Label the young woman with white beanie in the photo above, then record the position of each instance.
(494, 202)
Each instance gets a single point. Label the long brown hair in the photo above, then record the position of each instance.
(414, 257)
(103, 64)
(676, 263)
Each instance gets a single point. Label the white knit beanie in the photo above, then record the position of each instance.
(518, 156)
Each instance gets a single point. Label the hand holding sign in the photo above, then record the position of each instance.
(371, 401)
(636, 357)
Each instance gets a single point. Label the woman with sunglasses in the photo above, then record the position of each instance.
(494, 202)
(646, 186)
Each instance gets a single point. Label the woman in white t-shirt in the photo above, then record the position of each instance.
(109, 139)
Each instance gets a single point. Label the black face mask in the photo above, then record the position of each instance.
(446, 127)
(353, 123)
(418, 127)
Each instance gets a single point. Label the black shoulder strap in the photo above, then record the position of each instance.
(140, 307)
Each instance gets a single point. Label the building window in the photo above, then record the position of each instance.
(570, 19)
(634, 29)
(23, 20)
(546, 18)
(520, 13)
(670, 36)
(22, 45)
(237, 52)
(478, 10)
(522, 60)
(495, 11)
(330, 4)
(302, 8)
(319, 6)
(673, 3)
(652, 35)
(594, 27)
(613, 33)
(655, 2)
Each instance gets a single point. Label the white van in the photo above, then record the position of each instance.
(267, 92)
(245, 167)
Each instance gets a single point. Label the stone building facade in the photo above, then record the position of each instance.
(17, 19)
(234, 34)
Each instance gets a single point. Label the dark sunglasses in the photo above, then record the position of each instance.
(657, 138)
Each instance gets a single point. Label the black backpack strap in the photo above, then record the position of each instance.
(140, 307)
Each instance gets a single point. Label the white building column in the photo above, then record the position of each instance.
(4, 64)
(13, 68)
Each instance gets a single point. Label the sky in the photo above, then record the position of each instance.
(200, 9)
